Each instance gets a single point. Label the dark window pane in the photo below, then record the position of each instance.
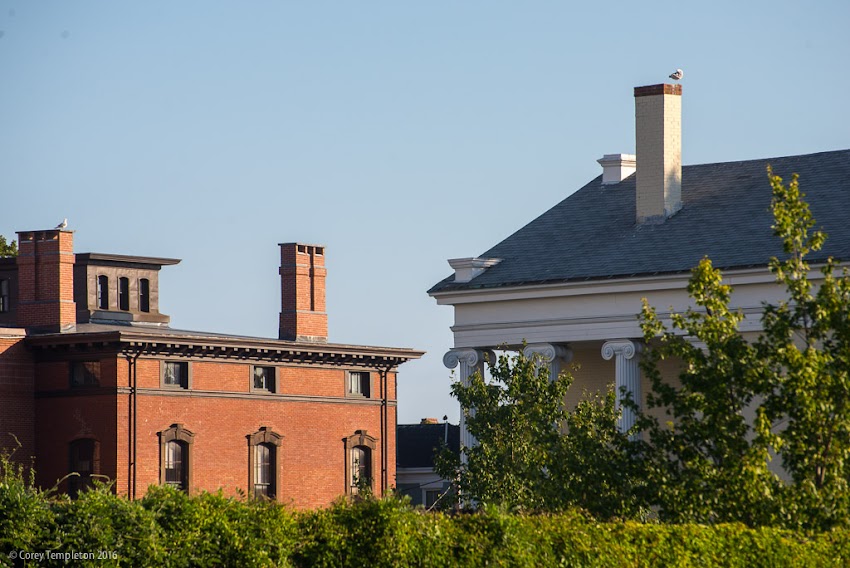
(175, 464)
(85, 373)
(81, 461)
(103, 293)
(5, 303)
(124, 294)
(144, 295)
(176, 374)
(264, 378)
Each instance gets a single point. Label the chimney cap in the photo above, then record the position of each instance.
(661, 89)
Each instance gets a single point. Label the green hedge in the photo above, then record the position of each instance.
(168, 528)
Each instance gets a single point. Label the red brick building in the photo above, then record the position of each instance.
(93, 381)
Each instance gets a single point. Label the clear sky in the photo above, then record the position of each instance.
(396, 133)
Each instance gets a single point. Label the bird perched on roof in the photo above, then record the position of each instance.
(63, 224)
(677, 75)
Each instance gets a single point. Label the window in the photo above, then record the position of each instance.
(5, 299)
(358, 383)
(263, 379)
(175, 374)
(263, 469)
(83, 460)
(175, 464)
(431, 496)
(85, 374)
(358, 462)
(124, 294)
(361, 469)
(102, 292)
(175, 447)
(144, 295)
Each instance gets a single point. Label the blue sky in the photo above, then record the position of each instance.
(397, 134)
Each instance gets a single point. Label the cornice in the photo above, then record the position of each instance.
(146, 344)
(641, 284)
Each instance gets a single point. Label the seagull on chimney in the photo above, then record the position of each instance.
(677, 75)
(63, 224)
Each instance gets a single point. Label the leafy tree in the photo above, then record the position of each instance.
(8, 249)
(522, 461)
(806, 345)
(708, 463)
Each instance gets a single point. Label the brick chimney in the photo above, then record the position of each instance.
(658, 133)
(46, 280)
(302, 285)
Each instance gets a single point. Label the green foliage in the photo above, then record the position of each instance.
(8, 248)
(597, 467)
(514, 420)
(806, 346)
(169, 528)
(522, 462)
(26, 520)
(708, 463)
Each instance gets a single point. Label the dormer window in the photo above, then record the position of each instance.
(124, 294)
(144, 295)
(102, 292)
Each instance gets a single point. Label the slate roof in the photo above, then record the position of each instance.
(592, 234)
(418, 443)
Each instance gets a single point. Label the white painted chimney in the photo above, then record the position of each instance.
(468, 268)
(658, 133)
(616, 167)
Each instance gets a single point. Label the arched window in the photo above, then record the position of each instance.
(103, 292)
(83, 460)
(176, 460)
(359, 451)
(175, 446)
(144, 295)
(124, 294)
(263, 476)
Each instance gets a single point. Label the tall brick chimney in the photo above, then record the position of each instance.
(46, 280)
(658, 133)
(302, 286)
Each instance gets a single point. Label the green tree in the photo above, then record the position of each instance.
(522, 459)
(708, 463)
(806, 345)
(8, 248)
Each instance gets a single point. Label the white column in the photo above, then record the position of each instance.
(555, 356)
(470, 360)
(626, 375)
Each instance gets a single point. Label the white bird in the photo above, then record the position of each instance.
(677, 75)
(63, 224)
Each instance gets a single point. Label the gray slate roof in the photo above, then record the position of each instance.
(418, 444)
(592, 234)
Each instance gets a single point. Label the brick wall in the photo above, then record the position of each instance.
(17, 417)
(222, 412)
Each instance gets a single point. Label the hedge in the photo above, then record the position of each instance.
(169, 528)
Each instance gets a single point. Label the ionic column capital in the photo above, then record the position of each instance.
(548, 352)
(624, 348)
(470, 357)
